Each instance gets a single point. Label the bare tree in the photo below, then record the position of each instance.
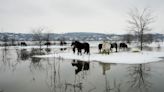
(5, 41)
(13, 40)
(139, 21)
(47, 39)
(38, 36)
(128, 38)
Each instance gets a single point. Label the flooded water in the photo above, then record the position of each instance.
(20, 73)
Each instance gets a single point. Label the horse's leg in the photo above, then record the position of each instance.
(111, 49)
(88, 51)
(80, 52)
(116, 48)
(73, 50)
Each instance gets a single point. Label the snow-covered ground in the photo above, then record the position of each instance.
(126, 57)
(120, 57)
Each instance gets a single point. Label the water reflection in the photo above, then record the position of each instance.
(140, 76)
(80, 65)
(24, 54)
(58, 75)
(110, 86)
(8, 62)
(105, 67)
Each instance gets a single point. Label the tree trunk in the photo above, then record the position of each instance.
(40, 47)
(141, 40)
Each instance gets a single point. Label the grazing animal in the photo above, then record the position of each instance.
(123, 46)
(100, 47)
(23, 44)
(47, 43)
(106, 47)
(81, 46)
(113, 45)
(62, 43)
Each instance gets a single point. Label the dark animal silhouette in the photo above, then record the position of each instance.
(81, 66)
(80, 46)
(23, 44)
(47, 43)
(100, 47)
(123, 46)
(113, 45)
(62, 43)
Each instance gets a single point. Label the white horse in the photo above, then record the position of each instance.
(106, 47)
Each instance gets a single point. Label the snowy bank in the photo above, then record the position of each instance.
(120, 57)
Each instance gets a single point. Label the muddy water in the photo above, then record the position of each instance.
(19, 73)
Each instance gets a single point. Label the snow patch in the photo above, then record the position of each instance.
(120, 57)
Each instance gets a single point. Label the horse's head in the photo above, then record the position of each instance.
(73, 43)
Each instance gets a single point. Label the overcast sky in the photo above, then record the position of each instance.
(61, 16)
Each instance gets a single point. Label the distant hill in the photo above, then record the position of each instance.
(84, 36)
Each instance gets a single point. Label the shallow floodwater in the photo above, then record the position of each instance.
(19, 73)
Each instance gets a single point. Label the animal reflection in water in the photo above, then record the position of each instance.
(81, 66)
(80, 46)
(105, 67)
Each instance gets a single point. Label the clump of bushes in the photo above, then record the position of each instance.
(36, 51)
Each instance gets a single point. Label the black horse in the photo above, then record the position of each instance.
(80, 46)
(113, 45)
(23, 44)
(100, 47)
(47, 43)
(123, 46)
(63, 43)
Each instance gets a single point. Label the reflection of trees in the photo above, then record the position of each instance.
(24, 54)
(139, 77)
(53, 77)
(54, 80)
(36, 64)
(9, 62)
(81, 69)
(109, 86)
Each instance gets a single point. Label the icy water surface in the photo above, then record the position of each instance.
(19, 73)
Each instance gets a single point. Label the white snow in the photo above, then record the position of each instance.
(120, 57)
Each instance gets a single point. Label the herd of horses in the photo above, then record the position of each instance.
(104, 47)
(107, 47)
(84, 48)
